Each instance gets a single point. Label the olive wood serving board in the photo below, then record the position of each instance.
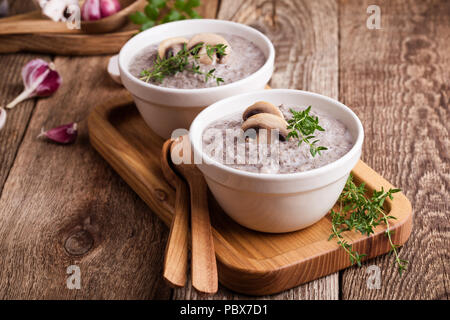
(248, 262)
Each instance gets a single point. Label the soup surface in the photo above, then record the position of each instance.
(224, 141)
(245, 59)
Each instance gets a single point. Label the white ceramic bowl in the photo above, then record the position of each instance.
(167, 109)
(277, 202)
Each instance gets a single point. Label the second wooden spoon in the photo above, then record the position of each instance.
(203, 260)
(176, 255)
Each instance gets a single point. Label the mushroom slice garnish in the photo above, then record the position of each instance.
(269, 122)
(170, 47)
(210, 39)
(261, 107)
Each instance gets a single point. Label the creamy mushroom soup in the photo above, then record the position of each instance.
(225, 142)
(243, 59)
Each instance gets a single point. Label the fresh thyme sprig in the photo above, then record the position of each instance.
(185, 60)
(302, 127)
(362, 214)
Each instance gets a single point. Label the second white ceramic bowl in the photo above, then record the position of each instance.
(167, 109)
(277, 202)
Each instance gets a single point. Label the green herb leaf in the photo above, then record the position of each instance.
(185, 60)
(158, 3)
(173, 15)
(147, 25)
(192, 4)
(359, 212)
(193, 14)
(152, 12)
(180, 5)
(302, 127)
(138, 18)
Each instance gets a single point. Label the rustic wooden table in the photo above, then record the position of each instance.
(64, 205)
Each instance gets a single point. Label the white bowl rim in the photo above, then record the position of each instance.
(267, 63)
(283, 176)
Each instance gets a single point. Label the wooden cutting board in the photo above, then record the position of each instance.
(249, 262)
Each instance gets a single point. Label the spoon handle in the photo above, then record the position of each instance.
(176, 256)
(204, 268)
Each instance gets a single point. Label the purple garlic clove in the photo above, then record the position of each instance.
(109, 7)
(64, 134)
(41, 76)
(2, 118)
(40, 79)
(91, 10)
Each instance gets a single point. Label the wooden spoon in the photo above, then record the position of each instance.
(34, 22)
(176, 256)
(203, 260)
(115, 21)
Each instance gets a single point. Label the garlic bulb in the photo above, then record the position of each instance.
(40, 79)
(56, 9)
(98, 9)
(91, 10)
(109, 7)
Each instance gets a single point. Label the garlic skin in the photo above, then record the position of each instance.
(56, 9)
(109, 7)
(90, 10)
(2, 118)
(40, 79)
(98, 9)
(64, 134)
(36, 69)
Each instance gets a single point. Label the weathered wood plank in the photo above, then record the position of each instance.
(396, 80)
(305, 34)
(63, 205)
(10, 87)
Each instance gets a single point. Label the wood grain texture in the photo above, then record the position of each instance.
(32, 22)
(177, 247)
(67, 44)
(402, 69)
(305, 35)
(203, 257)
(396, 80)
(11, 86)
(64, 205)
(76, 211)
